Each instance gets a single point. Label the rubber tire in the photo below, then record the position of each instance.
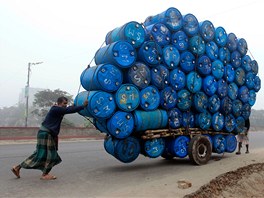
(203, 143)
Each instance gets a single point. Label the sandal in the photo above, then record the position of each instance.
(15, 171)
(48, 177)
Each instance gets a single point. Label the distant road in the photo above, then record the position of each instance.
(88, 171)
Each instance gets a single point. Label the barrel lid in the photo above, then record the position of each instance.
(127, 97)
(220, 36)
(101, 104)
(190, 24)
(121, 124)
(134, 33)
(149, 98)
(207, 30)
(171, 56)
(124, 54)
(180, 40)
(139, 75)
(154, 148)
(109, 77)
(127, 150)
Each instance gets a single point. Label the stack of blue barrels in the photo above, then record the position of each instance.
(172, 71)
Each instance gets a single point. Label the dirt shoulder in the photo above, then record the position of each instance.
(229, 176)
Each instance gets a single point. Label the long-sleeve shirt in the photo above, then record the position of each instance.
(55, 115)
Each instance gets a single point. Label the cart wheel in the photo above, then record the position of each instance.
(200, 150)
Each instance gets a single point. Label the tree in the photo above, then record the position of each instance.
(46, 98)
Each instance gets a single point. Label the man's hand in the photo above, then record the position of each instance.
(85, 103)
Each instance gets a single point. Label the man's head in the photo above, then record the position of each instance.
(62, 101)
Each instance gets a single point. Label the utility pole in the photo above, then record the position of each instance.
(27, 90)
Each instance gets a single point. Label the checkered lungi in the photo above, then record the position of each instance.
(243, 138)
(45, 156)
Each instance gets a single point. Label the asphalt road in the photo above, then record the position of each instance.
(86, 170)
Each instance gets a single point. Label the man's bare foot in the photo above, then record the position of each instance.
(16, 171)
(48, 177)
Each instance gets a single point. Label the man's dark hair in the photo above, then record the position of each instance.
(61, 99)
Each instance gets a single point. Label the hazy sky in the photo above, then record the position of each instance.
(66, 34)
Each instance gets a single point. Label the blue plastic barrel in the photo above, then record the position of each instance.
(213, 103)
(232, 42)
(230, 123)
(190, 24)
(209, 85)
(240, 124)
(109, 145)
(240, 76)
(242, 47)
(237, 108)
(178, 147)
(127, 97)
(154, 148)
(219, 143)
(101, 104)
(218, 69)
(236, 59)
(207, 30)
(121, 124)
(172, 17)
(149, 98)
(145, 120)
(231, 143)
(79, 100)
(159, 33)
(250, 77)
(139, 75)
(160, 76)
(194, 82)
(119, 53)
(226, 105)
(224, 55)
(187, 61)
(243, 94)
(246, 63)
(180, 40)
(175, 118)
(211, 50)
(127, 150)
(177, 79)
(222, 88)
(132, 32)
(232, 91)
(197, 45)
(168, 98)
(200, 101)
(203, 120)
(254, 66)
(204, 65)
(257, 83)
(220, 36)
(106, 77)
(246, 111)
(184, 100)
(171, 56)
(188, 119)
(229, 73)
(252, 97)
(100, 125)
(218, 121)
(150, 53)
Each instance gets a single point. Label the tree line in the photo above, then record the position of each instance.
(14, 116)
